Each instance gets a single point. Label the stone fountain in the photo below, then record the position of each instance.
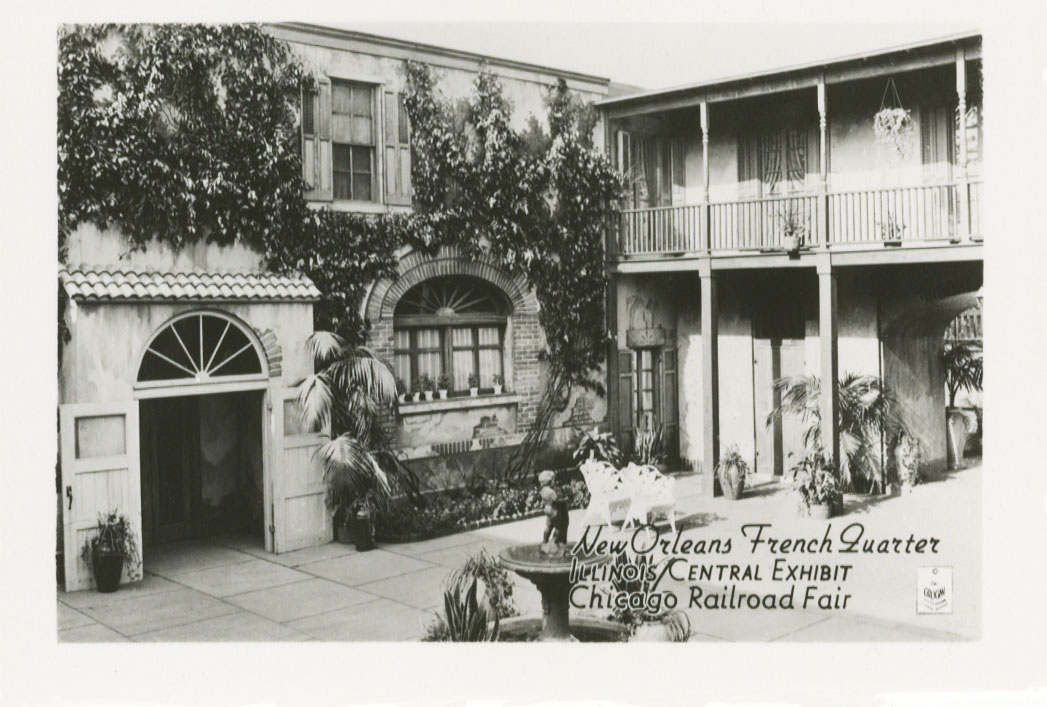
(547, 565)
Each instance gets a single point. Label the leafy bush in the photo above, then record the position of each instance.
(115, 535)
(601, 446)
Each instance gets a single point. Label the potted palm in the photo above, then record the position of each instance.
(498, 382)
(474, 384)
(794, 231)
(111, 549)
(963, 371)
(732, 471)
(868, 411)
(442, 384)
(344, 401)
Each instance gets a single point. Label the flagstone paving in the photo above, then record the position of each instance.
(230, 589)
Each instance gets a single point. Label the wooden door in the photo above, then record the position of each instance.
(299, 516)
(100, 474)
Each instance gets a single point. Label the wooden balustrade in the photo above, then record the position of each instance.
(924, 213)
(903, 214)
(763, 224)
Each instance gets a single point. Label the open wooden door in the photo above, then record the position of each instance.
(300, 518)
(100, 474)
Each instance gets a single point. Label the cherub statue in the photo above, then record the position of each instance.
(554, 539)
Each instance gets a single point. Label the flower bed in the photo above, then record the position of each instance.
(458, 510)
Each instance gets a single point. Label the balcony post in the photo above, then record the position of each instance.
(964, 192)
(703, 112)
(710, 378)
(823, 183)
(828, 333)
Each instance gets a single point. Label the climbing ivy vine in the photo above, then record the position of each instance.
(187, 132)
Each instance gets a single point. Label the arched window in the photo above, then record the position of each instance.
(453, 326)
(200, 346)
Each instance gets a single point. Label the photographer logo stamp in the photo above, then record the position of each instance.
(934, 590)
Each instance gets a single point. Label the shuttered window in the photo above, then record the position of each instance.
(353, 138)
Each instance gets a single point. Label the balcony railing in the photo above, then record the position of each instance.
(924, 213)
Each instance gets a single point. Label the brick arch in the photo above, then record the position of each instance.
(274, 354)
(417, 267)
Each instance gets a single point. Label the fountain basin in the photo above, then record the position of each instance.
(551, 575)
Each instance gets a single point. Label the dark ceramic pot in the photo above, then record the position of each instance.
(820, 511)
(361, 531)
(108, 567)
(734, 487)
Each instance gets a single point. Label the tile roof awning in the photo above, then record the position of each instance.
(132, 286)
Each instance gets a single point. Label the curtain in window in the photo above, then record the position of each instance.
(462, 345)
(428, 353)
(402, 361)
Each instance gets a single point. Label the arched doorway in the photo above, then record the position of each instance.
(201, 386)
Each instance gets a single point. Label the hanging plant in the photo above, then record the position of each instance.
(893, 124)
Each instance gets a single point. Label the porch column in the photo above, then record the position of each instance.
(703, 112)
(710, 379)
(823, 183)
(961, 136)
(828, 344)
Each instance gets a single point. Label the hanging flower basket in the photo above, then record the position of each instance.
(893, 124)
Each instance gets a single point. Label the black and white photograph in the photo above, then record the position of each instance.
(383, 329)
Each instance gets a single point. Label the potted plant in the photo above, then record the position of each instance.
(643, 625)
(361, 525)
(891, 231)
(416, 389)
(110, 550)
(648, 448)
(401, 390)
(597, 445)
(963, 371)
(498, 382)
(815, 480)
(428, 386)
(794, 231)
(474, 384)
(893, 124)
(732, 471)
(907, 462)
(442, 384)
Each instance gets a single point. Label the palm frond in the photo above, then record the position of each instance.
(315, 398)
(325, 347)
(351, 471)
(362, 369)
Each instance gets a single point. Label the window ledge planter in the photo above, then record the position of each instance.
(464, 402)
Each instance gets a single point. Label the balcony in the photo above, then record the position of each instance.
(881, 217)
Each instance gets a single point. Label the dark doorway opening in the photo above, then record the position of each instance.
(201, 466)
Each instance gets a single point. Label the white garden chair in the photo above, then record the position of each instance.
(605, 489)
(650, 491)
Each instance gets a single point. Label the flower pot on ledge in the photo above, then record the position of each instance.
(428, 395)
(791, 243)
(498, 390)
(474, 392)
(443, 395)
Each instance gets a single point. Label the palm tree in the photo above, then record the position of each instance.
(345, 400)
(867, 410)
(963, 369)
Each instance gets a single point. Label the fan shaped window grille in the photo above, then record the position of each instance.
(201, 347)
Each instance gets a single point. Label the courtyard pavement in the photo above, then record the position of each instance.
(230, 589)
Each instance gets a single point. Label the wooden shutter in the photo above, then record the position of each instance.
(625, 399)
(670, 426)
(397, 150)
(324, 180)
(310, 98)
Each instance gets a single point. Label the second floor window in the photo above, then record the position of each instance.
(352, 136)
